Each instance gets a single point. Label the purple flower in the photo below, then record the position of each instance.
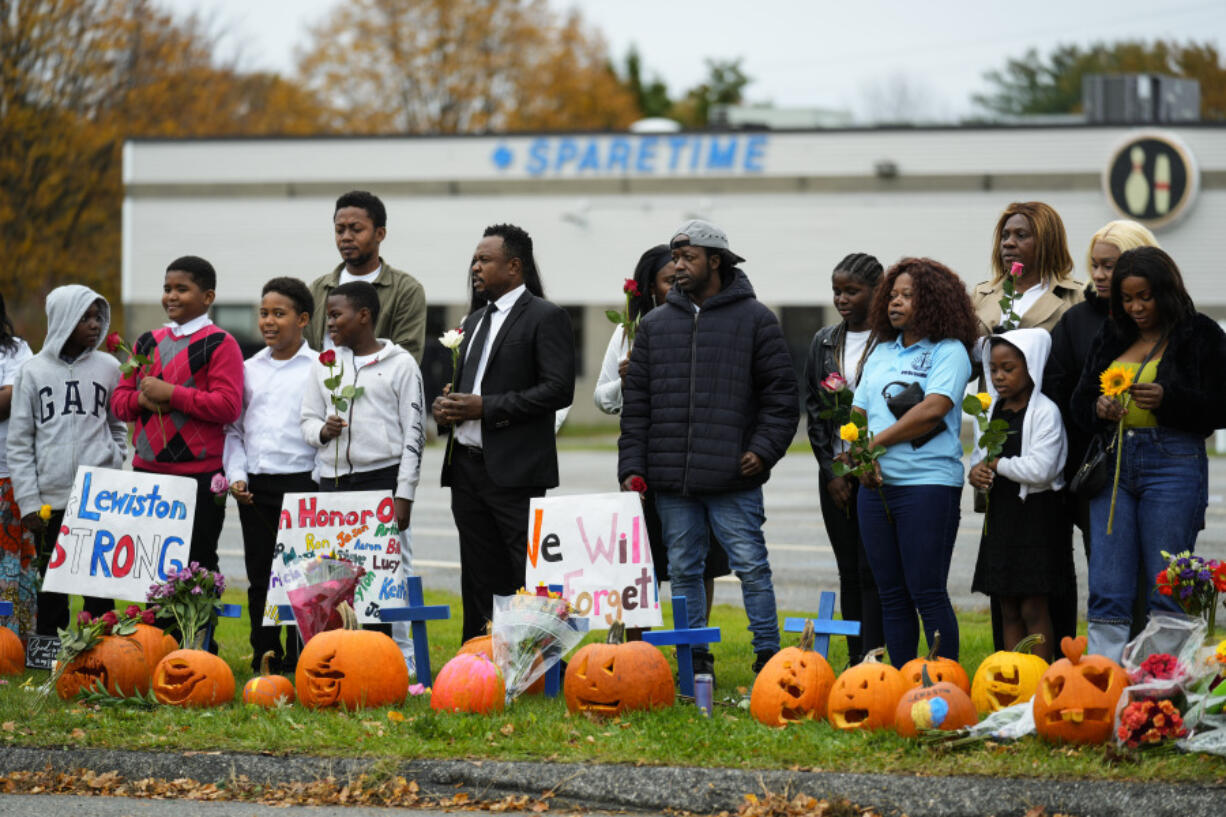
(196, 591)
(219, 484)
(221, 583)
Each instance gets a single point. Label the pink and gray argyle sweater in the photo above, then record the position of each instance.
(206, 369)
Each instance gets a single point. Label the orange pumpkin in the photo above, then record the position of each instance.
(156, 643)
(484, 645)
(1008, 677)
(267, 689)
(12, 653)
(117, 661)
(1076, 699)
(939, 669)
(614, 677)
(193, 678)
(351, 667)
(866, 696)
(940, 705)
(793, 686)
(469, 683)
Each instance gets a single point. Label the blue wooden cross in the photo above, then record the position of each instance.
(683, 638)
(418, 613)
(6, 608)
(553, 675)
(824, 625)
(224, 611)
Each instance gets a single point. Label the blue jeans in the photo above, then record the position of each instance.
(910, 560)
(1164, 489)
(736, 520)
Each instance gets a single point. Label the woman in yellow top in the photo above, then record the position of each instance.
(1177, 399)
(1029, 233)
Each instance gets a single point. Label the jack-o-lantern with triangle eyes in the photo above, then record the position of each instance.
(614, 677)
(1008, 677)
(1076, 699)
(866, 696)
(351, 667)
(793, 686)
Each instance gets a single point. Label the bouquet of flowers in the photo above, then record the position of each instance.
(189, 596)
(115, 344)
(992, 436)
(630, 289)
(452, 340)
(530, 633)
(863, 453)
(315, 587)
(1148, 723)
(836, 397)
(1008, 318)
(1194, 584)
(87, 631)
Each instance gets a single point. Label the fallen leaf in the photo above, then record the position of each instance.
(9, 726)
(508, 729)
(77, 734)
(394, 716)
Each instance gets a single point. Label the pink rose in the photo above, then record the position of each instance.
(219, 484)
(834, 382)
(1016, 269)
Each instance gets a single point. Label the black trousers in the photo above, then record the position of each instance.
(858, 599)
(493, 525)
(382, 480)
(259, 521)
(53, 607)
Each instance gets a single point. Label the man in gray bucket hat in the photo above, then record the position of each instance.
(711, 387)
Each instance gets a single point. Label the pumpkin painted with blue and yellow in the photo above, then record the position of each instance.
(933, 705)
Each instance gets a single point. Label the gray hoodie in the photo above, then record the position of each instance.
(61, 410)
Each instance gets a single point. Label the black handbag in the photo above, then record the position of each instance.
(902, 402)
(1096, 468)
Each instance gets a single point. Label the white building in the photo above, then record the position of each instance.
(793, 203)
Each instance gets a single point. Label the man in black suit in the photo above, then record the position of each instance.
(517, 369)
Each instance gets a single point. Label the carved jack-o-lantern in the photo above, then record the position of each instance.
(611, 678)
(933, 705)
(118, 662)
(939, 669)
(793, 686)
(351, 667)
(1006, 678)
(193, 678)
(866, 696)
(12, 653)
(1076, 699)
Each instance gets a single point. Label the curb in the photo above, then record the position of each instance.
(655, 788)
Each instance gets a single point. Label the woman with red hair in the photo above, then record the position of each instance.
(911, 393)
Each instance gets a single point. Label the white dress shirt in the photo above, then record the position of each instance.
(469, 431)
(266, 439)
(183, 330)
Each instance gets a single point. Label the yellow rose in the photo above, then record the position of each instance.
(44, 513)
(1220, 653)
(984, 399)
(849, 433)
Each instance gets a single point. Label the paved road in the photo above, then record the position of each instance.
(800, 552)
(24, 805)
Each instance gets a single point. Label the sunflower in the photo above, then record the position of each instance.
(849, 433)
(1116, 380)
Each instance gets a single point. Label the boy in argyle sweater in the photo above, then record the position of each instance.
(180, 403)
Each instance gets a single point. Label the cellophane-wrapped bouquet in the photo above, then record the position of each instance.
(315, 587)
(531, 632)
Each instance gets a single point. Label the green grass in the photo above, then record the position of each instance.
(540, 729)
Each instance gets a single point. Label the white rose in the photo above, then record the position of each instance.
(452, 338)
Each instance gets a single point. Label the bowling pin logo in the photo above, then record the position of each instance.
(1136, 187)
(1162, 184)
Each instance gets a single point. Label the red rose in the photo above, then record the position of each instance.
(110, 617)
(630, 287)
(113, 342)
(638, 484)
(1166, 590)
(84, 618)
(148, 617)
(328, 358)
(132, 612)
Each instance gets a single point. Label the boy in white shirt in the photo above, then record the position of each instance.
(265, 457)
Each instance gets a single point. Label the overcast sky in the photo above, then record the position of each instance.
(810, 53)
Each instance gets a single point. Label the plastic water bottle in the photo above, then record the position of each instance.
(704, 690)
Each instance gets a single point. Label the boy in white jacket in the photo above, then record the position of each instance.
(62, 419)
(378, 442)
(1025, 554)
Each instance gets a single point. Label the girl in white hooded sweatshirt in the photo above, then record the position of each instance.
(1026, 552)
(62, 419)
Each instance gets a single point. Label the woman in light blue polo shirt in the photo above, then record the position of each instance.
(911, 391)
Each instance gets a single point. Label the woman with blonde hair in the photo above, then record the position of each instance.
(1029, 233)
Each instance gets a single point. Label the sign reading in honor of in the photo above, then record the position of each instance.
(1152, 178)
(678, 154)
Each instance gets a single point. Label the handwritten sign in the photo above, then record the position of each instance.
(41, 651)
(359, 526)
(122, 532)
(596, 547)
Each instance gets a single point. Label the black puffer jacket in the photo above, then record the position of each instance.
(1192, 374)
(703, 388)
(1071, 340)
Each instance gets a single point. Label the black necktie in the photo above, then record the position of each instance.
(468, 378)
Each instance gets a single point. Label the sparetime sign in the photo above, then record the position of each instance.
(677, 154)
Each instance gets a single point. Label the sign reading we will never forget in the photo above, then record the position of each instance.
(596, 547)
(122, 532)
(358, 526)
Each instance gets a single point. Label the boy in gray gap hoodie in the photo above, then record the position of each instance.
(61, 419)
